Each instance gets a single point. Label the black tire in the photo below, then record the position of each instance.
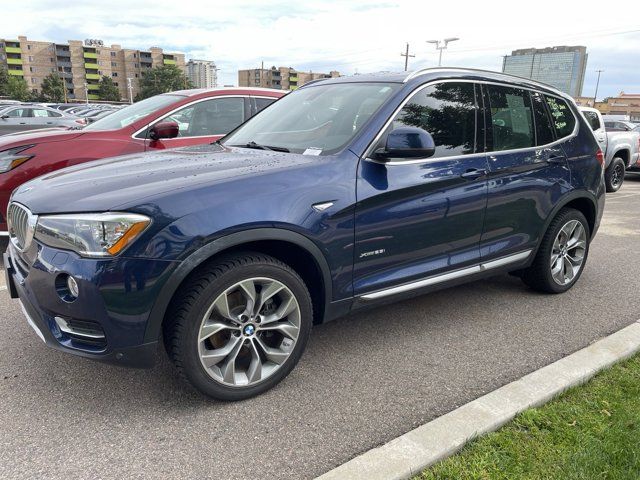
(538, 276)
(195, 298)
(614, 175)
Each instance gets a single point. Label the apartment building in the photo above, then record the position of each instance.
(202, 73)
(282, 78)
(81, 64)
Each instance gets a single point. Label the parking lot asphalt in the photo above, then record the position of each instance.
(364, 379)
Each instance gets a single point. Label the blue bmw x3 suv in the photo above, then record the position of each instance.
(344, 194)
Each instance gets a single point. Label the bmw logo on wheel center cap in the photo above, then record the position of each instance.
(249, 330)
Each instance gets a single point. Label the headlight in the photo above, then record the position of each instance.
(10, 159)
(93, 234)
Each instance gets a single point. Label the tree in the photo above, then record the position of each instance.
(52, 89)
(17, 89)
(162, 80)
(4, 80)
(107, 90)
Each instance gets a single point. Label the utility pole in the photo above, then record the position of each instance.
(406, 57)
(130, 88)
(442, 45)
(597, 84)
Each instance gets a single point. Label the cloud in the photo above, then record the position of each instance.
(349, 36)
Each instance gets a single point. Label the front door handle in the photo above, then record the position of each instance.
(474, 173)
(556, 159)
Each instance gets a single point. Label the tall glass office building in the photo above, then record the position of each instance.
(562, 67)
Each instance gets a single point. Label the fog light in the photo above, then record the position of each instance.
(72, 285)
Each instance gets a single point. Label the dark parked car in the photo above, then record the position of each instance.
(346, 193)
(177, 119)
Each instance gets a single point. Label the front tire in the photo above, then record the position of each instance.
(562, 254)
(614, 175)
(239, 326)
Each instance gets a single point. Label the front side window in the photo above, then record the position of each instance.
(511, 118)
(316, 120)
(563, 120)
(448, 112)
(212, 117)
(18, 112)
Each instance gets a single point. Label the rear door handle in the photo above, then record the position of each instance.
(557, 159)
(474, 173)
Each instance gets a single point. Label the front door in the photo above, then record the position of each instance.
(419, 218)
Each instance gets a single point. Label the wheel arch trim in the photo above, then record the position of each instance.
(204, 253)
(562, 203)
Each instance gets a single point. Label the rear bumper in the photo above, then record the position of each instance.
(122, 345)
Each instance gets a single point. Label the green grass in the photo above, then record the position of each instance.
(590, 432)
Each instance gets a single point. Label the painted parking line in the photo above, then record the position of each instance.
(3, 287)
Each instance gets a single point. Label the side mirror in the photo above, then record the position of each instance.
(407, 142)
(164, 130)
(4, 117)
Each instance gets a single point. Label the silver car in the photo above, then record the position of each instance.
(19, 118)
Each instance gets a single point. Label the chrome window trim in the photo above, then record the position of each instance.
(177, 109)
(369, 149)
(444, 277)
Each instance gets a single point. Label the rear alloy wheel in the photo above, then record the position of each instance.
(614, 175)
(562, 254)
(240, 327)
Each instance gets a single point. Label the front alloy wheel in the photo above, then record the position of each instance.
(239, 326)
(249, 331)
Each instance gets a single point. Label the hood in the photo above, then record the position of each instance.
(107, 184)
(44, 135)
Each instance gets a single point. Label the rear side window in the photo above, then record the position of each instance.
(544, 128)
(511, 118)
(448, 112)
(592, 119)
(262, 103)
(563, 120)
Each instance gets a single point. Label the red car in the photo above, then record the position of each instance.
(170, 120)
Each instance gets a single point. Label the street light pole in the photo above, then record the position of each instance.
(597, 84)
(86, 92)
(442, 45)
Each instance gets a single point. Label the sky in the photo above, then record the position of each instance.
(349, 36)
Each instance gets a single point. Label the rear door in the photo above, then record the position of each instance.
(204, 121)
(528, 170)
(419, 218)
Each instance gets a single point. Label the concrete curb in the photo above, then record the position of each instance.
(412, 452)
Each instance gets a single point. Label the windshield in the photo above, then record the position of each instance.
(127, 115)
(318, 120)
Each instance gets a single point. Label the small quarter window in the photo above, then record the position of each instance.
(511, 118)
(563, 120)
(544, 128)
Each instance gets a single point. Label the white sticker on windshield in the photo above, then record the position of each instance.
(312, 151)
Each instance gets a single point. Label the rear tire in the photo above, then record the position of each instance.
(229, 335)
(614, 175)
(562, 255)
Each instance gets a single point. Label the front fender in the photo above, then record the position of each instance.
(204, 253)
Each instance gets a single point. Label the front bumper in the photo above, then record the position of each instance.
(102, 304)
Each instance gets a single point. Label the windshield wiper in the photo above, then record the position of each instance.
(257, 146)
